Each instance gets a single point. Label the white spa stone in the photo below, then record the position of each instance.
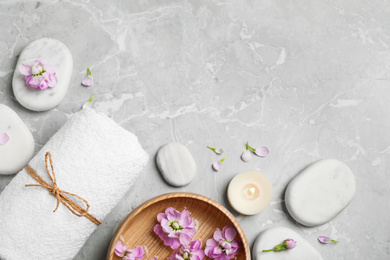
(54, 53)
(320, 192)
(276, 235)
(176, 164)
(17, 152)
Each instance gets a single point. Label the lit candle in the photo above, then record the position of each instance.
(249, 192)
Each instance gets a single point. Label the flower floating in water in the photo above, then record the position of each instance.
(223, 246)
(217, 165)
(126, 253)
(88, 81)
(287, 244)
(246, 155)
(216, 150)
(189, 252)
(39, 75)
(175, 228)
(4, 138)
(326, 240)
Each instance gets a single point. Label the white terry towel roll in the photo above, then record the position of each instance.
(94, 158)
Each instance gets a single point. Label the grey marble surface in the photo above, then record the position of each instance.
(308, 79)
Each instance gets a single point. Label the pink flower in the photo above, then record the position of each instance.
(326, 240)
(223, 246)
(4, 138)
(287, 244)
(88, 81)
(39, 75)
(175, 228)
(189, 252)
(125, 253)
(217, 165)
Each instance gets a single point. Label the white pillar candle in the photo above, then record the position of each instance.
(249, 192)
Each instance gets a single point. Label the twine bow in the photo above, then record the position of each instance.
(60, 194)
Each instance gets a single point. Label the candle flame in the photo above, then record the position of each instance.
(252, 190)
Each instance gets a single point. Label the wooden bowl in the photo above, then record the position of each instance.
(137, 228)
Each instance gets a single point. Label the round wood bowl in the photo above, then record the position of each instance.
(137, 228)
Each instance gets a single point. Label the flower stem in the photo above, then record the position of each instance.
(223, 159)
(247, 146)
(90, 100)
(253, 149)
(89, 72)
(269, 250)
(212, 148)
(334, 241)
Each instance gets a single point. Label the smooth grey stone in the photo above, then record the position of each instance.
(320, 192)
(176, 164)
(17, 152)
(276, 235)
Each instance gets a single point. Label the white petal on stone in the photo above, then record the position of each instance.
(18, 151)
(276, 235)
(176, 164)
(54, 53)
(320, 192)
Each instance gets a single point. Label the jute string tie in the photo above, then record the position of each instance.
(60, 194)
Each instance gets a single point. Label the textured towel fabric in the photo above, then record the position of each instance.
(94, 158)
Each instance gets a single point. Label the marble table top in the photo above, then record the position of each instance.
(308, 79)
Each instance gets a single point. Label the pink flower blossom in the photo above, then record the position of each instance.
(39, 75)
(125, 253)
(175, 228)
(223, 246)
(326, 240)
(287, 244)
(189, 252)
(4, 138)
(88, 81)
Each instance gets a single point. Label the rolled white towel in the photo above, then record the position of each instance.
(94, 158)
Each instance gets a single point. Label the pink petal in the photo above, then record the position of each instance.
(120, 249)
(217, 166)
(88, 81)
(161, 216)
(174, 243)
(246, 156)
(218, 235)
(184, 239)
(229, 233)
(25, 69)
(211, 242)
(324, 239)
(185, 222)
(185, 212)
(139, 252)
(4, 138)
(154, 258)
(262, 151)
(195, 245)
